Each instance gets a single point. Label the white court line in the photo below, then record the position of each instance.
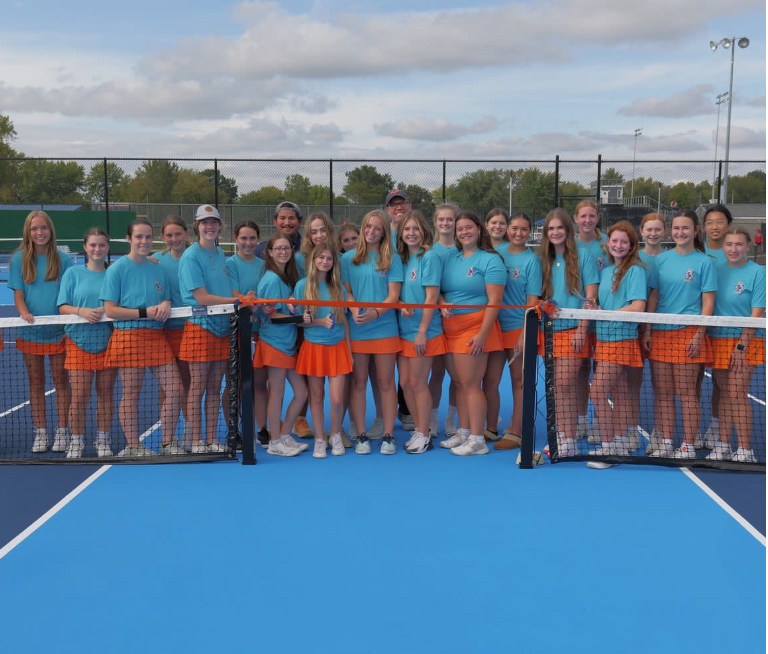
(718, 500)
(63, 502)
(22, 405)
(52, 512)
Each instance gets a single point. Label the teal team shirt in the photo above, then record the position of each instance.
(371, 285)
(650, 268)
(301, 264)
(280, 337)
(199, 268)
(132, 285)
(320, 335)
(41, 297)
(633, 286)
(739, 290)
(244, 277)
(171, 267)
(523, 279)
(682, 278)
(81, 287)
(595, 248)
(588, 274)
(464, 279)
(717, 255)
(420, 272)
(442, 251)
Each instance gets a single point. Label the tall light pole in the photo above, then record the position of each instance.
(638, 132)
(720, 99)
(743, 42)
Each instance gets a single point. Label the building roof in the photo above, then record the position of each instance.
(741, 211)
(40, 207)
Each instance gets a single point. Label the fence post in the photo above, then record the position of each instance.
(330, 185)
(720, 180)
(599, 177)
(106, 203)
(444, 172)
(216, 182)
(556, 203)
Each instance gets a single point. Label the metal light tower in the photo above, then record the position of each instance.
(720, 99)
(638, 132)
(727, 43)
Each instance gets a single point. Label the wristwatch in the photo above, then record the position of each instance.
(740, 347)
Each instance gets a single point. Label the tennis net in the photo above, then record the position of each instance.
(103, 392)
(664, 389)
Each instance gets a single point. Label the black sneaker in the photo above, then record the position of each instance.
(263, 437)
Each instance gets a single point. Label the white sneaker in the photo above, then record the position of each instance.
(594, 437)
(420, 444)
(320, 447)
(621, 445)
(566, 447)
(137, 452)
(470, 447)
(172, 449)
(720, 452)
(337, 445)
(377, 429)
(61, 440)
(453, 441)
(685, 451)
(363, 444)
(75, 448)
(199, 448)
(450, 426)
(653, 444)
(388, 444)
(216, 448)
(605, 449)
(303, 447)
(103, 445)
(41, 442)
(743, 455)
(282, 448)
(664, 449)
(411, 440)
(711, 437)
(599, 465)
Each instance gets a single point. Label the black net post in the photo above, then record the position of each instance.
(245, 386)
(530, 355)
(549, 384)
(233, 384)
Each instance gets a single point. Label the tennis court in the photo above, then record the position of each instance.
(431, 553)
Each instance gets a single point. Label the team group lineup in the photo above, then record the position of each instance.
(468, 268)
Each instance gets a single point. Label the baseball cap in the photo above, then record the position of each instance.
(206, 211)
(396, 193)
(288, 205)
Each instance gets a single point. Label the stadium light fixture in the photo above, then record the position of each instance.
(728, 43)
(638, 132)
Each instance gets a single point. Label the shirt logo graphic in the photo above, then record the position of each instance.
(159, 287)
(412, 275)
(471, 271)
(739, 288)
(515, 274)
(600, 263)
(688, 275)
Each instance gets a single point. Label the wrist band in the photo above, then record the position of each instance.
(740, 347)
(378, 315)
(287, 320)
(142, 312)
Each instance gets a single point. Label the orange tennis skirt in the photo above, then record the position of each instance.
(174, 336)
(389, 345)
(459, 330)
(80, 359)
(562, 348)
(40, 349)
(266, 356)
(138, 348)
(668, 346)
(199, 345)
(435, 347)
(722, 349)
(623, 353)
(324, 360)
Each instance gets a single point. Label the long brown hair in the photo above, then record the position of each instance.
(384, 255)
(27, 249)
(483, 242)
(426, 235)
(589, 203)
(306, 240)
(632, 258)
(548, 254)
(291, 273)
(332, 279)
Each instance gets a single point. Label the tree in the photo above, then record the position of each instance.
(153, 182)
(193, 188)
(93, 186)
(40, 181)
(366, 185)
(571, 193)
(481, 190)
(613, 176)
(747, 188)
(227, 186)
(297, 188)
(265, 195)
(421, 199)
(8, 169)
(320, 195)
(534, 192)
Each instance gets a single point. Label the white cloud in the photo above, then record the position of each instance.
(438, 129)
(696, 101)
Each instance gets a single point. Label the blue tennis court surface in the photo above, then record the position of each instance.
(430, 553)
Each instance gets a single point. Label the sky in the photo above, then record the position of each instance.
(448, 80)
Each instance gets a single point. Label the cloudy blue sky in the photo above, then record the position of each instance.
(451, 79)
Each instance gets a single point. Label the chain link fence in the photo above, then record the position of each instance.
(347, 189)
